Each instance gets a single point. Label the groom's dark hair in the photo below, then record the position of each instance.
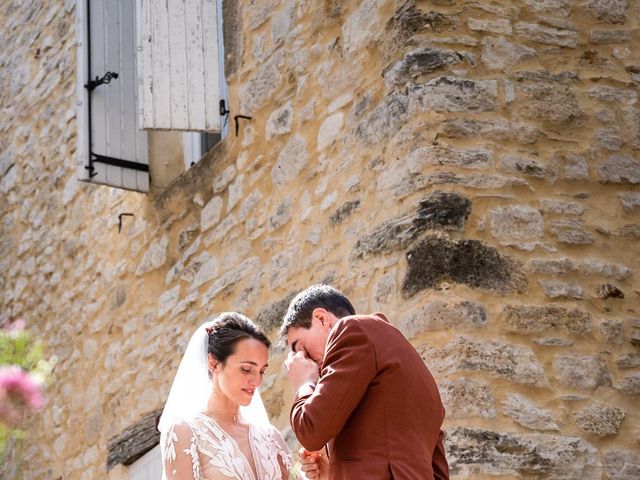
(316, 296)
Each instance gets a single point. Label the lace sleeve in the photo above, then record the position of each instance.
(179, 453)
(284, 456)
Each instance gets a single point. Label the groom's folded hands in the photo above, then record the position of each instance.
(300, 370)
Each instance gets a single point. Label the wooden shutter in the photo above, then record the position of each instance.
(147, 467)
(111, 148)
(181, 75)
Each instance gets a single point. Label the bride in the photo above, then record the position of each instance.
(214, 425)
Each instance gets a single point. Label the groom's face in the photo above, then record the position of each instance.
(312, 341)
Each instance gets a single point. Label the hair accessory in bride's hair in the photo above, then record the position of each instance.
(210, 330)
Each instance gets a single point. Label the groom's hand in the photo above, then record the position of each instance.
(300, 370)
(314, 464)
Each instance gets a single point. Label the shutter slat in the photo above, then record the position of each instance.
(212, 74)
(145, 62)
(178, 63)
(82, 116)
(181, 45)
(113, 115)
(195, 64)
(160, 58)
(98, 95)
(127, 82)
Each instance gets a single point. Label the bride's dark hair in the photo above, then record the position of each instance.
(227, 330)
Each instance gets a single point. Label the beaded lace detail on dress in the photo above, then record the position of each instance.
(200, 446)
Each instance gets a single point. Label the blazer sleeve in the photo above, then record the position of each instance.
(319, 413)
(439, 460)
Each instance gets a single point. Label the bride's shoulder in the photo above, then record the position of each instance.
(182, 425)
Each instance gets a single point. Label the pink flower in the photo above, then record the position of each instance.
(14, 326)
(19, 392)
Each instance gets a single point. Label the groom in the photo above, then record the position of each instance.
(361, 388)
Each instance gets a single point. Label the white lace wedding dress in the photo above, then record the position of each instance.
(200, 446)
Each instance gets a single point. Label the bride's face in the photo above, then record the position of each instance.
(243, 371)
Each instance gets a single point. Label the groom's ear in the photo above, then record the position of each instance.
(323, 316)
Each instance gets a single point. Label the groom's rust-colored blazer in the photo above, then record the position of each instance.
(376, 405)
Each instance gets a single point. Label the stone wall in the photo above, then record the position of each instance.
(468, 167)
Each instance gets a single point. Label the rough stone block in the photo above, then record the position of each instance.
(609, 139)
(210, 214)
(600, 419)
(341, 214)
(552, 103)
(529, 319)
(547, 35)
(607, 290)
(581, 371)
(572, 166)
(631, 119)
(553, 342)
(594, 266)
(218, 232)
(361, 27)
(384, 121)
(280, 120)
(500, 54)
(452, 94)
(630, 200)
(440, 315)
(628, 360)
(619, 169)
(435, 155)
(329, 130)
(513, 362)
(474, 452)
(608, 11)
(282, 215)
(292, 159)
(559, 207)
(463, 398)
(223, 179)
(259, 12)
(499, 26)
(498, 130)
(553, 8)
(621, 464)
(559, 266)
(630, 384)
(439, 210)
(531, 166)
(271, 316)
(230, 278)
(155, 257)
(207, 270)
(607, 37)
(517, 223)
(570, 231)
(555, 289)
(468, 262)
(408, 22)
(611, 94)
(631, 230)
(525, 413)
(385, 287)
(612, 331)
(256, 91)
(422, 61)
